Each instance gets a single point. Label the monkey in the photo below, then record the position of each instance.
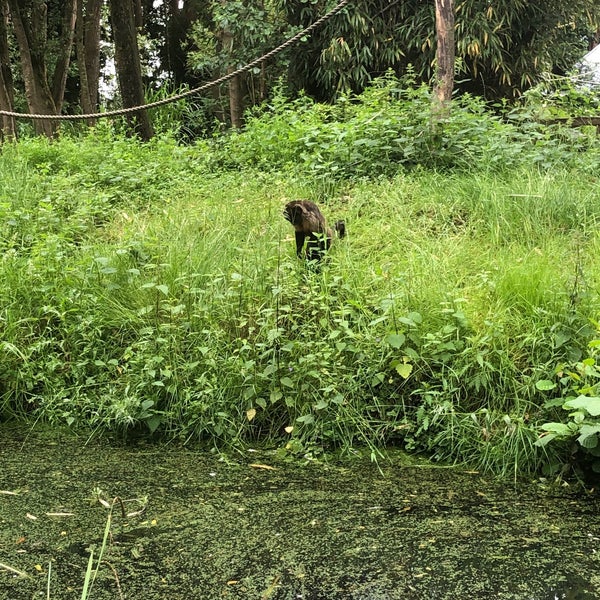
(311, 229)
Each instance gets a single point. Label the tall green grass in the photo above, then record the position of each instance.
(141, 290)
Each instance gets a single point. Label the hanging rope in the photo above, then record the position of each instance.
(113, 113)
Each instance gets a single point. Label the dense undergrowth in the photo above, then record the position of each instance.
(154, 287)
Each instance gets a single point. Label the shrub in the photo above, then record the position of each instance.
(390, 126)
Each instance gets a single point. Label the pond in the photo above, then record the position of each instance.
(190, 524)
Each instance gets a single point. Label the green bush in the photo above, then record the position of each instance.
(578, 429)
(390, 126)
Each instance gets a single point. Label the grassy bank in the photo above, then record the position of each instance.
(143, 288)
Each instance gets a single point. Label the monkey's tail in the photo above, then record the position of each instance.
(340, 227)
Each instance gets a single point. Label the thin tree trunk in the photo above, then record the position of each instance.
(87, 36)
(178, 23)
(8, 130)
(59, 79)
(91, 41)
(445, 51)
(84, 86)
(236, 110)
(127, 62)
(30, 32)
(235, 84)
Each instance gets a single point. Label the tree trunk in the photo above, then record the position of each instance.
(30, 31)
(87, 35)
(235, 84)
(445, 51)
(178, 23)
(85, 98)
(8, 129)
(127, 62)
(59, 79)
(91, 41)
(236, 109)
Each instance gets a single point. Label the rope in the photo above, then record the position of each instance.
(289, 42)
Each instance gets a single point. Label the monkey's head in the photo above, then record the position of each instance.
(305, 216)
(294, 212)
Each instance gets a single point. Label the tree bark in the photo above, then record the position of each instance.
(445, 51)
(91, 40)
(127, 62)
(87, 35)
(59, 79)
(85, 98)
(236, 108)
(8, 130)
(178, 24)
(30, 31)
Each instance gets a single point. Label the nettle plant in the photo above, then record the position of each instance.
(580, 382)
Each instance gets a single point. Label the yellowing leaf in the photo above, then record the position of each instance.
(404, 370)
(250, 414)
(259, 466)
(289, 429)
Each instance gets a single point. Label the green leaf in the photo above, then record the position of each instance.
(591, 404)
(557, 428)
(338, 399)
(287, 382)
(412, 319)
(545, 384)
(588, 437)
(377, 379)
(164, 289)
(268, 370)
(153, 422)
(404, 370)
(554, 402)
(545, 439)
(306, 419)
(396, 340)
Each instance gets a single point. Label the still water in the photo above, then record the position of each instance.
(189, 524)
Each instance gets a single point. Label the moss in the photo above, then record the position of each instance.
(217, 528)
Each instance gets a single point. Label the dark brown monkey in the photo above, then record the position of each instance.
(311, 228)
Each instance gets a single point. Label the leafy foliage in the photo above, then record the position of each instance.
(569, 96)
(501, 49)
(147, 288)
(390, 125)
(579, 384)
